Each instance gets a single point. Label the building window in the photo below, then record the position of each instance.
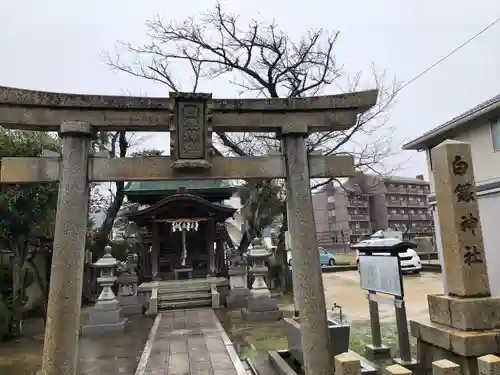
(495, 133)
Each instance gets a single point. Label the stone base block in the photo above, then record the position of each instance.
(107, 305)
(129, 310)
(377, 352)
(104, 329)
(462, 343)
(466, 314)
(262, 304)
(237, 298)
(257, 316)
(411, 365)
(428, 353)
(98, 317)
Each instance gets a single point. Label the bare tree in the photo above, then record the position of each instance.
(110, 199)
(262, 60)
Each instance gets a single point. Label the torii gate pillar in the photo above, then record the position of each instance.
(64, 305)
(306, 268)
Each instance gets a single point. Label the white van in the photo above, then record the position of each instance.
(410, 261)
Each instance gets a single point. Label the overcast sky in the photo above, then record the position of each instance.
(57, 45)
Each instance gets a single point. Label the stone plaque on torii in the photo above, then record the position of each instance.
(191, 119)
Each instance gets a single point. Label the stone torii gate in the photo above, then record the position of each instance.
(190, 119)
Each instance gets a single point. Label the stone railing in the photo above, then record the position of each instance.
(349, 364)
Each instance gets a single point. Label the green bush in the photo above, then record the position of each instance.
(5, 280)
(5, 317)
(5, 300)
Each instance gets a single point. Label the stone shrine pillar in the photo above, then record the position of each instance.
(238, 289)
(238, 281)
(463, 322)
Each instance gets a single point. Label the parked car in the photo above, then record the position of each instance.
(410, 261)
(325, 257)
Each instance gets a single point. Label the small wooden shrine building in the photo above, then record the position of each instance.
(185, 226)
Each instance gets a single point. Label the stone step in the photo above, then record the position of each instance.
(200, 302)
(172, 283)
(183, 289)
(182, 296)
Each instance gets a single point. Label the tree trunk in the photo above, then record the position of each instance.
(281, 255)
(102, 236)
(17, 293)
(42, 285)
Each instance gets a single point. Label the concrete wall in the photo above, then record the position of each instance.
(341, 214)
(320, 207)
(486, 162)
(489, 207)
(378, 206)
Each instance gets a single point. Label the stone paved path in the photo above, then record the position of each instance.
(189, 342)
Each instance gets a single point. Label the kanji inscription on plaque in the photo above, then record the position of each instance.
(191, 130)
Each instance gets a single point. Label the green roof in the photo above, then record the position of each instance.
(163, 186)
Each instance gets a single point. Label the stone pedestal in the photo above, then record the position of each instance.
(337, 332)
(127, 288)
(106, 315)
(463, 324)
(238, 292)
(260, 305)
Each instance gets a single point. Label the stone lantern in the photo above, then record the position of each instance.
(261, 306)
(107, 267)
(106, 315)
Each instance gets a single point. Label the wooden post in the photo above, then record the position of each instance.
(306, 268)
(60, 351)
(210, 236)
(155, 252)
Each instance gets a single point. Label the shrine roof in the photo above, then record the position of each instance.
(144, 187)
(182, 206)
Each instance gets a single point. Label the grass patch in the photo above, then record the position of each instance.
(346, 259)
(252, 339)
(361, 335)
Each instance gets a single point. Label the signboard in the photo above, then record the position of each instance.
(381, 274)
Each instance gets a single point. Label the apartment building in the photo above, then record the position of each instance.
(367, 203)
